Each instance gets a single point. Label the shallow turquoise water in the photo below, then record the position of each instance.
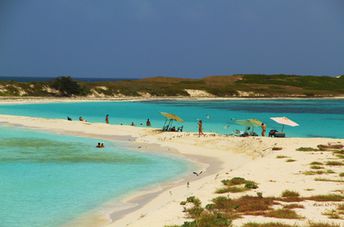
(48, 179)
(317, 118)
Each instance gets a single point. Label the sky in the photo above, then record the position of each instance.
(183, 38)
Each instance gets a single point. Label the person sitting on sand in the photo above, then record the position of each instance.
(148, 123)
(263, 129)
(81, 119)
(272, 132)
(200, 128)
(107, 119)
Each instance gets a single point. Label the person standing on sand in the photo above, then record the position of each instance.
(107, 119)
(263, 129)
(200, 128)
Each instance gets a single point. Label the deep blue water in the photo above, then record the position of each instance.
(317, 118)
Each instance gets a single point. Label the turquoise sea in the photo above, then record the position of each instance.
(48, 179)
(317, 118)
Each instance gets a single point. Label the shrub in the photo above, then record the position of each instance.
(283, 213)
(281, 156)
(316, 163)
(317, 167)
(325, 198)
(251, 185)
(269, 224)
(334, 163)
(232, 189)
(313, 224)
(67, 86)
(293, 206)
(307, 149)
(213, 219)
(288, 193)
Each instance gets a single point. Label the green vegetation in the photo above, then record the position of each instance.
(334, 163)
(67, 86)
(326, 198)
(222, 86)
(307, 149)
(316, 163)
(237, 184)
(203, 217)
(222, 210)
(281, 156)
(291, 160)
(288, 193)
(329, 180)
(317, 167)
(313, 224)
(283, 213)
(269, 224)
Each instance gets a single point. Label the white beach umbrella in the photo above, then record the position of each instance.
(284, 121)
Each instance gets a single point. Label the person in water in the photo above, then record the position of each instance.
(263, 129)
(100, 145)
(148, 123)
(200, 128)
(107, 119)
(81, 119)
(132, 124)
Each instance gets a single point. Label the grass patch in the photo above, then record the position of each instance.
(307, 149)
(334, 163)
(237, 184)
(314, 224)
(232, 189)
(329, 180)
(283, 213)
(291, 160)
(318, 172)
(277, 148)
(269, 224)
(340, 156)
(281, 156)
(326, 198)
(341, 174)
(316, 163)
(316, 167)
(288, 194)
(293, 206)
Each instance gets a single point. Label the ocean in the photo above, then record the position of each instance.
(317, 118)
(48, 179)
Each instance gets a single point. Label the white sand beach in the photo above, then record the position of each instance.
(219, 157)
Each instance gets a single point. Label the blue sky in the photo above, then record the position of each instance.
(190, 38)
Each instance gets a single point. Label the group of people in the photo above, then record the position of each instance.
(100, 145)
(107, 121)
(200, 127)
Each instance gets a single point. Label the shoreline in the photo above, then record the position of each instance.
(41, 100)
(251, 157)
